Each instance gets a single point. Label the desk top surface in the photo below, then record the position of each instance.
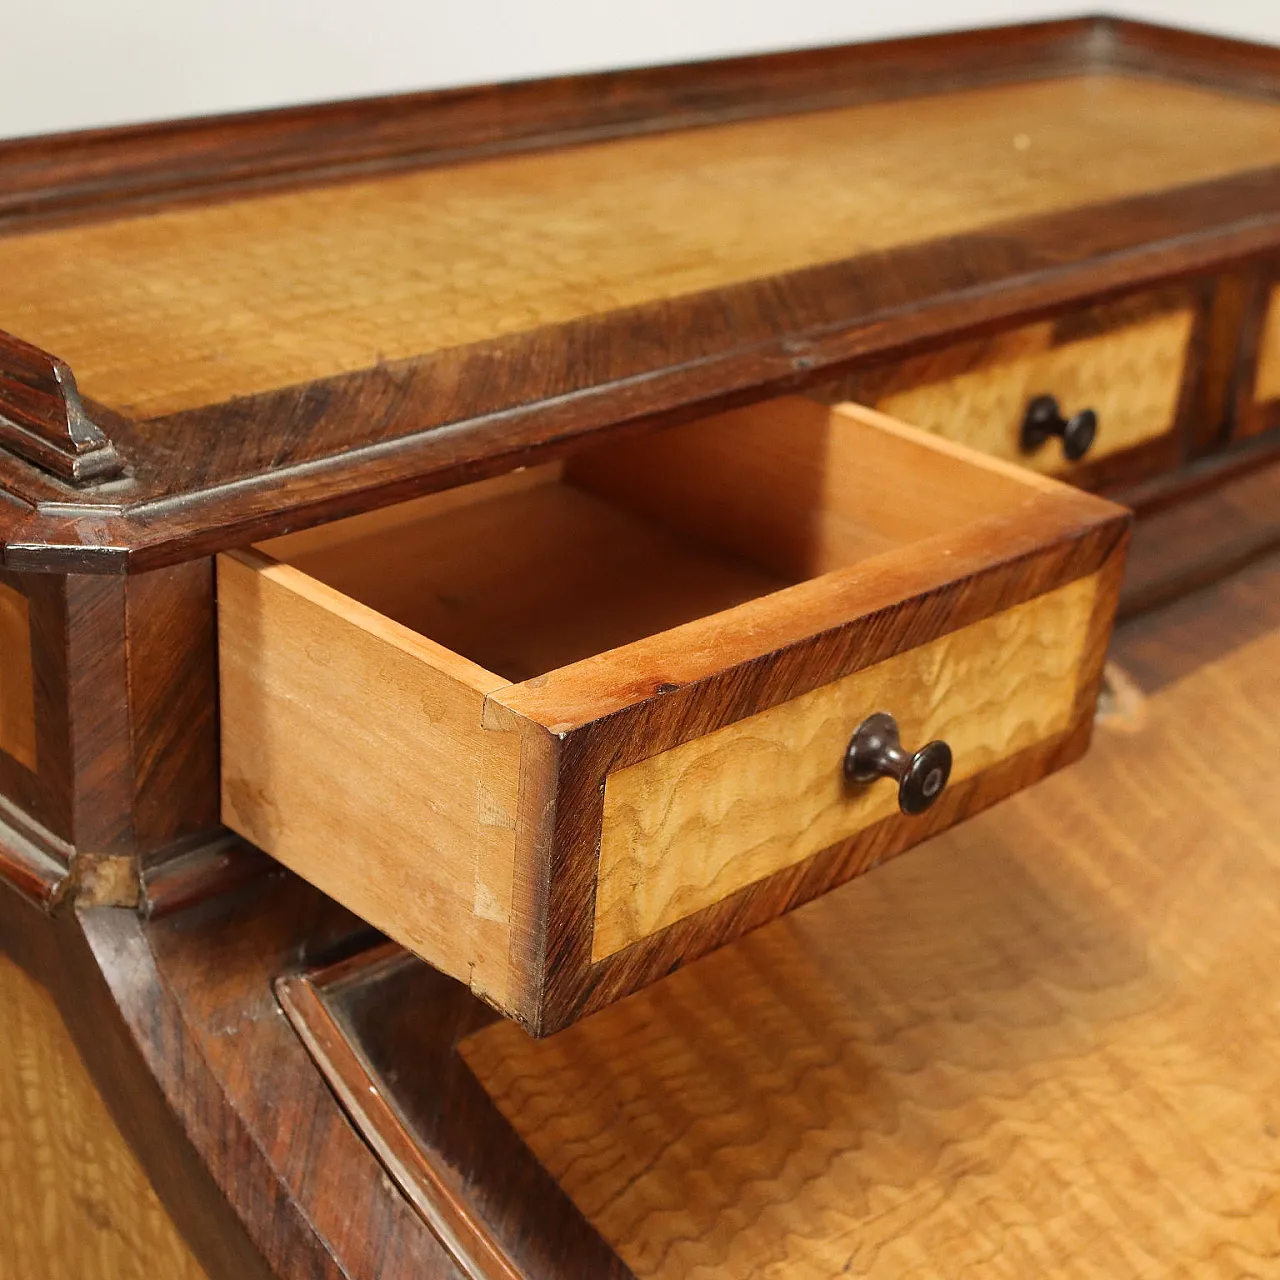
(186, 308)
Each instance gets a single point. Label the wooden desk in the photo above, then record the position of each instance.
(1040, 1045)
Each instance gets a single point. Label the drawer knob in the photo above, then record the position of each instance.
(1044, 419)
(875, 751)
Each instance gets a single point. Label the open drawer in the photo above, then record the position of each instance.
(559, 731)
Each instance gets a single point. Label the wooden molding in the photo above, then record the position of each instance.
(350, 1014)
(43, 420)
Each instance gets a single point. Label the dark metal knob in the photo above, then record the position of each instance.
(875, 751)
(1044, 419)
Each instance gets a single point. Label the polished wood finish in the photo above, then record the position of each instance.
(74, 1199)
(291, 289)
(42, 418)
(1126, 360)
(223, 474)
(1034, 1047)
(160, 936)
(463, 813)
(107, 172)
(688, 827)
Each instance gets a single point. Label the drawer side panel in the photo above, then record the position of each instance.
(356, 756)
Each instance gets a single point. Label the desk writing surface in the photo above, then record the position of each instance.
(1043, 1045)
(179, 309)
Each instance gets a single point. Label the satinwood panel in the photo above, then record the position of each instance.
(978, 392)
(17, 679)
(690, 826)
(192, 307)
(73, 1199)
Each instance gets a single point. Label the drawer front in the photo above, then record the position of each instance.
(691, 826)
(1126, 362)
(558, 839)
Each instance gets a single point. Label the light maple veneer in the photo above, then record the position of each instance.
(73, 1199)
(463, 717)
(181, 308)
(686, 828)
(1128, 365)
(17, 681)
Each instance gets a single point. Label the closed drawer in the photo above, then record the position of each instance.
(559, 731)
(1125, 364)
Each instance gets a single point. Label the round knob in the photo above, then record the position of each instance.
(1044, 419)
(875, 751)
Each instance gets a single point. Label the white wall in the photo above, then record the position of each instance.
(68, 64)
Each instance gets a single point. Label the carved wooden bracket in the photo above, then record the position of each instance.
(43, 420)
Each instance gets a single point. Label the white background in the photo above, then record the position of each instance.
(68, 64)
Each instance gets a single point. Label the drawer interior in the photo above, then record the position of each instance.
(537, 569)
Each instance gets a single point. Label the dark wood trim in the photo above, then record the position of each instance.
(1230, 309)
(184, 875)
(43, 419)
(109, 172)
(173, 703)
(1174, 53)
(1252, 417)
(1198, 477)
(438, 1133)
(1217, 520)
(27, 866)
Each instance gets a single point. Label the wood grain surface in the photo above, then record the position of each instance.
(1267, 380)
(228, 300)
(17, 679)
(977, 392)
(365, 747)
(1040, 1046)
(73, 1198)
(353, 750)
(690, 826)
(523, 573)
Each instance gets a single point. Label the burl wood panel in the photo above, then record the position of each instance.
(354, 751)
(978, 392)
(688, 827)
(17, 679)
(73, 1198)
(191, 307)
(1267, 379)
(1036, 1048)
